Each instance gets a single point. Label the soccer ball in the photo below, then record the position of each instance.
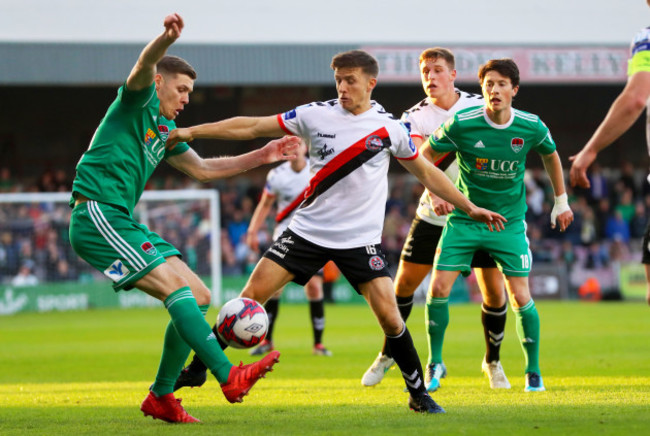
(242, 323)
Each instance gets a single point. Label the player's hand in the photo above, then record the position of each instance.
(285, 148)
(440, 206)
(253, 241)
(173, 26)
(580, 163)
(178, 135)
(561, 213)
(493, 220)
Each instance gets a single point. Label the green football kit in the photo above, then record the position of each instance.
(124, 151)
(111, 175)
(491, 161)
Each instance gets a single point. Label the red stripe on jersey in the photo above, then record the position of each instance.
(291, 207)
(437, 163)
(417, 136)
(282, 125)
(341, 160)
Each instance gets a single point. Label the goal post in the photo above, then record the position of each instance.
(39, 271)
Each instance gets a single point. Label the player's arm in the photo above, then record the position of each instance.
(205, 170)
(621, 115)
(240, 128)
(259, 215)
(561, 212)
(144, 70)
(440, 206)
(435, 181)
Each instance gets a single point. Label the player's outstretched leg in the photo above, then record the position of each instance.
(437, 319)
(166, 407)
(528, 332)
(242, 378)
(195, 375)
(494, 322)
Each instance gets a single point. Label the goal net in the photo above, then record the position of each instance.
(39, 270)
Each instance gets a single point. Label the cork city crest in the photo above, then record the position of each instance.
(517, 144)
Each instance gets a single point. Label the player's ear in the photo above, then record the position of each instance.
(515, 90)
(372, 83)
(159, 79)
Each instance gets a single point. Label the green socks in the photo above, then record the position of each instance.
(528, 332)
(436, 317)
(174, 355)
(188, 330)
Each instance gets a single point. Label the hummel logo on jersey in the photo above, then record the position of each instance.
(211, 337)
(326, 135)
(116, 271)
(479, 144)
(324, 152)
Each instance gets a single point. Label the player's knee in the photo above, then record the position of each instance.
(440, 290)
(405, 286)
(202, 295)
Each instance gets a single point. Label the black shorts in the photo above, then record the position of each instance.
(646, 247)
(422, 240)
(303, 259)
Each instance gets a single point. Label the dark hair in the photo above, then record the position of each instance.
(506, 67)
(439, 52)
(356, 59)
(175, 65)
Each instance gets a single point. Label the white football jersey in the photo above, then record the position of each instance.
(349, 156)
(423, 119)
(288, 188)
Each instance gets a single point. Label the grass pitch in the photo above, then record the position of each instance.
(87, 372)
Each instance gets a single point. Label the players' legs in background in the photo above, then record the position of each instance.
(647, 280)
(493, 316)
(436, 318)
(314, 292)
(528, 326)
(272, 307)
(493, 309)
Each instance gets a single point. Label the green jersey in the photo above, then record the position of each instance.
(492, 157)
(126, 148)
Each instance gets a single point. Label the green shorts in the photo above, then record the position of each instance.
(114, 243)
(461, 238)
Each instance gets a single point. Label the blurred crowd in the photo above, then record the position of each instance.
(610, 219)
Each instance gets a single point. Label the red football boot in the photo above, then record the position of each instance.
(242, 378)
(165, 407)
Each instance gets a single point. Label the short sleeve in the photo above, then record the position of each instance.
(138, 98)
(292, 122)
(543, 140)
(403, 147)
